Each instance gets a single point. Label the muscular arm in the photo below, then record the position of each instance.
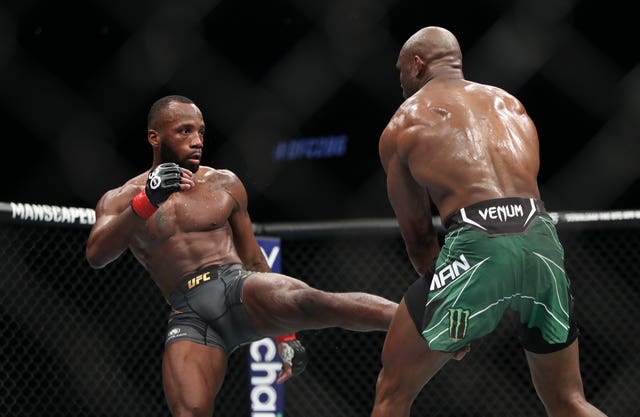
(114, 226)
(244, 239)
(116, 221)
(411, 205)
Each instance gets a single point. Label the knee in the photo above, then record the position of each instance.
(566, 405)
(390, 389)
(392, 399)
(190, 410)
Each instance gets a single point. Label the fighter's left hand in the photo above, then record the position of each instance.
(294, 359)
(459, 354)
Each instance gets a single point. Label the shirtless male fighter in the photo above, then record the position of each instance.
(189, 226)
(472, 150)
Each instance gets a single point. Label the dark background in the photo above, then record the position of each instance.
(77, 79)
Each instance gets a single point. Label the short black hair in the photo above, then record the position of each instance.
(161, 104)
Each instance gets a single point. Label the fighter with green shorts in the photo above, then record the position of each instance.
(498, 255)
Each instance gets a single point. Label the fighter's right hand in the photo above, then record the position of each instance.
(164, 180)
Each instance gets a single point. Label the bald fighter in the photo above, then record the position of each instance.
(472, 151)
(189, 226)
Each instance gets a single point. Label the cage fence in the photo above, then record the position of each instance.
(83, 342)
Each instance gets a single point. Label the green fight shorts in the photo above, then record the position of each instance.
(498, 255)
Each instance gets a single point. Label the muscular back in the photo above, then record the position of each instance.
(464, 142)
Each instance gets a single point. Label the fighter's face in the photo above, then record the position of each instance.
(404, 69)
(168, 154)
(182, 136)
(412, 69)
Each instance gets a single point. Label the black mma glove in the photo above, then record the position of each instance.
(162, 182)
(293, 353)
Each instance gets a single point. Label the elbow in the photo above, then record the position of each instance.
(423, 258)
(93, 258)
(94, 263)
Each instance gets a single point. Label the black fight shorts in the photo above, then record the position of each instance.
(207, 309)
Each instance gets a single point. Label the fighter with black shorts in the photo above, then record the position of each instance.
(207, 309)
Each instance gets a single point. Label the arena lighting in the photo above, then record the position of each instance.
(312, 148)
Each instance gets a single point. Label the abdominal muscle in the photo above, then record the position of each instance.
(183, 253)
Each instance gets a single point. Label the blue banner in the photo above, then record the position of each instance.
(265, 396)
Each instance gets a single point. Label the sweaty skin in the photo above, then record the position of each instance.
(175, 242)
(206, 223)
(449, 137)
(454, 142)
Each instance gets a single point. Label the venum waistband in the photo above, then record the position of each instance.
(497, 216)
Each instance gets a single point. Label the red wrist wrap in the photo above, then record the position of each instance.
(285, 338)
(142, 206)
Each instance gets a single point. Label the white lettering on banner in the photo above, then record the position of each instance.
(270, 350)
(271, 257)
(47, 213)
(268, 370)
(502, 213)
(449, 273)
(264, 373)
(263, 398)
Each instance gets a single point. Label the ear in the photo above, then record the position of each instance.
(153, 137)
(419, 67)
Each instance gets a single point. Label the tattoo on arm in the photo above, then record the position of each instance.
(217, 183)
(223, 183)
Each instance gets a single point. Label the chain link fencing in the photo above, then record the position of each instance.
(83, 342)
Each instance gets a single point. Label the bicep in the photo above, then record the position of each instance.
(109, 207)
(246, 243)
(110, 234)
(244, 238)
(410, 202)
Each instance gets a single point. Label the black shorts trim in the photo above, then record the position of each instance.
(532, 340)
(498, 216)
(415, 298)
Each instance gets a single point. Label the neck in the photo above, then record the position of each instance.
(447, 73)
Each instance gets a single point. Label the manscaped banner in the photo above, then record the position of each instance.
(46, 214)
